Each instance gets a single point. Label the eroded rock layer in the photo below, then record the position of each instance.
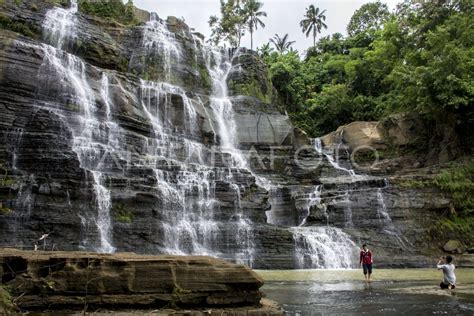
(142, 138)
(68, 280)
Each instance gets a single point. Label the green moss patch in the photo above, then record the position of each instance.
(458, 180)
(23, 28)
(122, 214)
(114, 10)
(455, 227)
(6, 302)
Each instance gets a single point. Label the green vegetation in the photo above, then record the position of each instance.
(251, 89)
(204, 74)
(418, 59)
(459, 182)
(21, 27)
(6, 302)
(63, 3)
(459, 227)
(236, 18)
(5, 210)
(5, 179)
(313, 22)
(122, 215)
(114, 10)
(282, 44)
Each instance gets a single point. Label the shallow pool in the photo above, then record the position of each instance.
(392, 291)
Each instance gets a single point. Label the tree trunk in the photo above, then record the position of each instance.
(251, 40)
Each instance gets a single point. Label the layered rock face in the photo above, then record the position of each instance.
(72, 280)
(144, 139)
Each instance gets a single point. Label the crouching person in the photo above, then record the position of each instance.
(449, 278)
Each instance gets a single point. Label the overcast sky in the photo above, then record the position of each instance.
(283, 16)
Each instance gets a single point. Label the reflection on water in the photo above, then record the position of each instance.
(393, 291)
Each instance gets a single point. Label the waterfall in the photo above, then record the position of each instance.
(323, 248)
(59, 27)
(333, 160)
(313, 199)
(197, 184)
(60, 24)
(103, 217)
(386, 221)
(159, 41)
(219, 68)
(189, 226)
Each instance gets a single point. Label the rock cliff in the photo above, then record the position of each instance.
(142, 138)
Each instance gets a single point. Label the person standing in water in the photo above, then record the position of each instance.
(449, 278)
(366, 260)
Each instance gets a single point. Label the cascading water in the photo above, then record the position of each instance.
(60, 24)
(59, 27)
(323, 248)
(331, 159)
(195, 186)
(190, 226)
(386, 221)
(313, 199)
(219, 68)
(159, 41)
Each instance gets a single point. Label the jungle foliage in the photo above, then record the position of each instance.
(418, 58)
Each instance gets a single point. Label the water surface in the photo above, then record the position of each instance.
(391, 292)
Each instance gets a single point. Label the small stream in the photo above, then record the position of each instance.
(392, 292)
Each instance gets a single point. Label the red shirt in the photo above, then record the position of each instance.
(365, 257)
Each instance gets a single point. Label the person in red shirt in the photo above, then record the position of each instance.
(366, 261)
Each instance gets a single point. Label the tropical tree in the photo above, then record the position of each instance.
(230, 26)
(282, 44)
(369, 17)
(313, 23)
(265, 50)
(253, 17)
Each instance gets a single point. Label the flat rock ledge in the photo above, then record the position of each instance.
(45, 280)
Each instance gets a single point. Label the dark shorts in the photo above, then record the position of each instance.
(367, 268)
(445, 285)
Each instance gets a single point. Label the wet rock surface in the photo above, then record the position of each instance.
(129, 139)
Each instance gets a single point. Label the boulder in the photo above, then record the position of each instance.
(453, 246)
(357, 135)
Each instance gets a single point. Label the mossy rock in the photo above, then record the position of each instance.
(453, 246)
(6, 303)
(122, 214)
(114, 10)
(20, 27)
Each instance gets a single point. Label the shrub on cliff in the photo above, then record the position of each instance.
(459, 182)
(114, 10)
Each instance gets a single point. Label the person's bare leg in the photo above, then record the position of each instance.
(369, 274)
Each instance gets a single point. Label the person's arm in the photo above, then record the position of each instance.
(371, 257)
(439, 265)
(360, 258)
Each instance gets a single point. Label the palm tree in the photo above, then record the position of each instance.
(252, 17)
(281, 43)
(265, 50)
(313, 22)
